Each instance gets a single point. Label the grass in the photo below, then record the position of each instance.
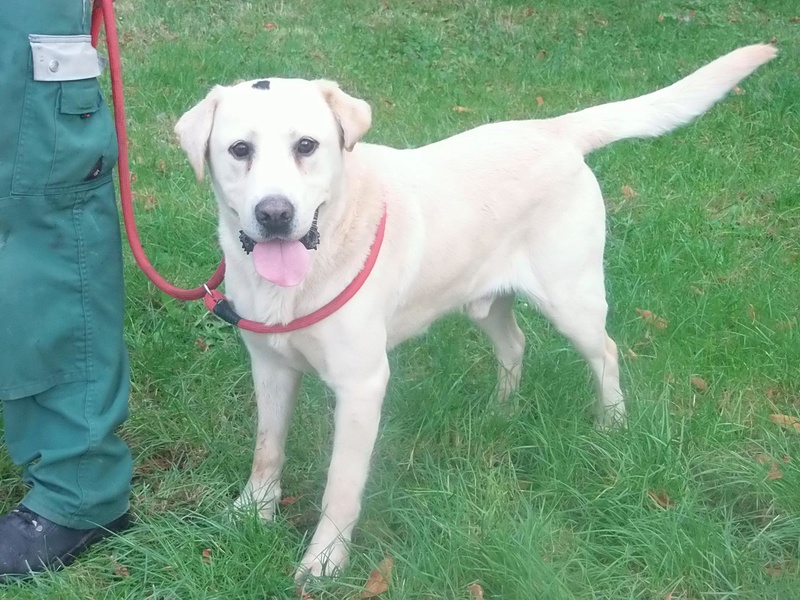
(535, 505)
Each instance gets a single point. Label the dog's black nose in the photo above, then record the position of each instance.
(275, 214)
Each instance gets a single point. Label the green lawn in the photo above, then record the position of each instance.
(530, 505)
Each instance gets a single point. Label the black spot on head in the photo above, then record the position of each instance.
(261, 85)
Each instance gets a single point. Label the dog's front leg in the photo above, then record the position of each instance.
(359, 397)
(276, 388)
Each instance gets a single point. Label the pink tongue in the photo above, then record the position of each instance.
(281, 262)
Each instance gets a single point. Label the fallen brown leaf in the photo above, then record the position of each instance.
(651, 319)
(774, 472)
(699, 384)
(378, 581)
(461, 109)
(542, 54)
(762, 458)
(662, 499)
(774, 40)
(786, 421)
(270, 26)
(539, 100)
(120, 570)
(207, 555)
(628, 191)
(697, 290)
(201, 343)
(288, 500)
(476, 591)
(774, 571)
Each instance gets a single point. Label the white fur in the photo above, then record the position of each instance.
(504, 209)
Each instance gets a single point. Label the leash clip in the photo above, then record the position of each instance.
(220, 306)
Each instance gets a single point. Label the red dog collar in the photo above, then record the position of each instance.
(220, 306)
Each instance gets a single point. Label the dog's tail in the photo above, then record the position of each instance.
(657, 113)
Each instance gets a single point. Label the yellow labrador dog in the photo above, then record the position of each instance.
(470, 222)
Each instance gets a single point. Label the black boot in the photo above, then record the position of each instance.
(29, 543)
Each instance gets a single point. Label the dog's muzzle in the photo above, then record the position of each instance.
(310, 240)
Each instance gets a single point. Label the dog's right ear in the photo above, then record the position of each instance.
(194, 129)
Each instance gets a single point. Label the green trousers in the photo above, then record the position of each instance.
(64, 374)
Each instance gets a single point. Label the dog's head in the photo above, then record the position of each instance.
(274, 149)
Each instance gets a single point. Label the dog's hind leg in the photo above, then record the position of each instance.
(500, 326)
(577, 308)
(276, 389)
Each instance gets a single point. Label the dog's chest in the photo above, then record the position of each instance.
(289, 350)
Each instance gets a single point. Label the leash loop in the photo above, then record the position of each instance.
(103, 15)
(216, 302)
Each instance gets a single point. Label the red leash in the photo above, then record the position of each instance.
(103, 15)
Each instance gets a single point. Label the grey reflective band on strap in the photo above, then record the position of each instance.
(64, 57)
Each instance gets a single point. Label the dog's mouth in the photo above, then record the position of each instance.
(282, 262)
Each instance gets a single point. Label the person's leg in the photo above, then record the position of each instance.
(78, 468)
(63, 363)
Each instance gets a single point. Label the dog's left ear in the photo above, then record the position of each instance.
(194, 129)
(353, 115)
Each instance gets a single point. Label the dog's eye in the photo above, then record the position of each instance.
(241, 150)
(306, 146)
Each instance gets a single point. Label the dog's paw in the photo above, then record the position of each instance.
(507, 381)
(612, 418)
(264, 500)
(327, 562)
